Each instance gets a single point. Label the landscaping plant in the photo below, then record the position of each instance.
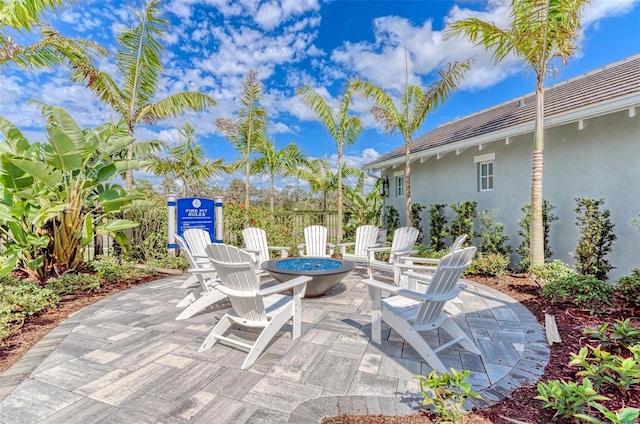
(493, 264)
(493, 238)
(447, 392)
(628, 289)
(463, 221)
(390, 220)
(57, 195)
(596, 239)
(584, 291)
(437, 226)
(551, 271)
(547, 218)
(416, 220)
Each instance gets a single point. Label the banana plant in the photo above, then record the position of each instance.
(364, 209)
(57, 195)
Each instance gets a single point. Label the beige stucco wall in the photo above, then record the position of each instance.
(602, 160)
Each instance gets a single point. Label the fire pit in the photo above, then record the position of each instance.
(325, 273)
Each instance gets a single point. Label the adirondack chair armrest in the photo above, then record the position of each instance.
(252, 251)
(332, 248)
(379, 285)
(406, 267)
(404, 253)
(343, 247)
(418, 260)
(378, 249)
(287, 285)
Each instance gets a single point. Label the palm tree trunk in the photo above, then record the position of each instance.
(339, 229)
(536, 229)
(407, 182)
(128, 176)
(271, 197)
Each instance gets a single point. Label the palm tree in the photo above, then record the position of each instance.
(249, 130)
(51, 49)
(412, 111)
(322, 179)
(187, 162)
(274, 163)
(343, 128)
(138, 60)
(540, 31)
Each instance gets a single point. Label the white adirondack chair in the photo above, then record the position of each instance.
(255, 242)
(408, 312)
(366, 236)
(251, 306)
(413, 263)
(204, 295)
(404, 238)
(196, 240)
(315, 242)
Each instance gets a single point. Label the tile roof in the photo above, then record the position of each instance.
(600, 86)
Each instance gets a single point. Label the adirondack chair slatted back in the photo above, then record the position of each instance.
(255, 239)
(404, 238)
(236, 271)
(457, 243)
(184, 248)
(366, 236)
(197, 239)
(444, 280)
(315, 239)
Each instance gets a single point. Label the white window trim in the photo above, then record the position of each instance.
(397, 178)
(481, 177)
(484, 158)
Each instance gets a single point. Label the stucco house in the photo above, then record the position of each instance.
(592, 149)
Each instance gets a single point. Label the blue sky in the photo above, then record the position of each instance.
(212, 44)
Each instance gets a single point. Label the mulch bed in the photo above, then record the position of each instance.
(521, 405)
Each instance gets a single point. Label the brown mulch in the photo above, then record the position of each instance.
(519, 406)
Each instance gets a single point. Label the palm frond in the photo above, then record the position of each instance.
(138, 57)
(319, 106)
(174, 105)
(23, 15)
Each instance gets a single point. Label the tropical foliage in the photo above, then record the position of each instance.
(187, 162)
(539, 32)
(55, 196)
(19, 18)
(139, 65)
(344, 128)
(249, 130)
(414, 106)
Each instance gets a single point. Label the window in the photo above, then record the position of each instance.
(399, 186)
(485, 176)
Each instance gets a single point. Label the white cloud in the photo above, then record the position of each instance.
(601, 9)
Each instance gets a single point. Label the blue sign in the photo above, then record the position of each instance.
(194, 212)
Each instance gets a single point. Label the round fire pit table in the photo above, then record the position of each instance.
(325, 273)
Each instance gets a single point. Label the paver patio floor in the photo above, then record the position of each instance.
(125, 359)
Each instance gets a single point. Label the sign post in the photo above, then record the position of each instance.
(171, 223)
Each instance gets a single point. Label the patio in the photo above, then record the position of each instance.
(125, 359)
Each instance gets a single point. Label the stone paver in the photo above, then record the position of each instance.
(125, 359)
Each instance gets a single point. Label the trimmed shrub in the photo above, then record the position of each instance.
(463, 222)
(628, 288)
(111, 269)
(584, 291)
(74, 283)
(492, 264)
(597, 237)
(547, 218)
(437, 226)
(493, 237)
(416, 220)
(551, 271)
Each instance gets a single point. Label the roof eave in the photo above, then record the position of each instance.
(592, 111)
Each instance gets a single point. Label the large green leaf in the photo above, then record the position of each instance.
(65, 154)
(106, 172)
(68, 126)
(88, 230)
(116, 145)
(45, 173)
(15, 141)
(115, 226)
(5, 214)
(13, 177)
(130, 165)
(8, 263)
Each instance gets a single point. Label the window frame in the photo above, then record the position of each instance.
(487, 178)
(400, 186)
